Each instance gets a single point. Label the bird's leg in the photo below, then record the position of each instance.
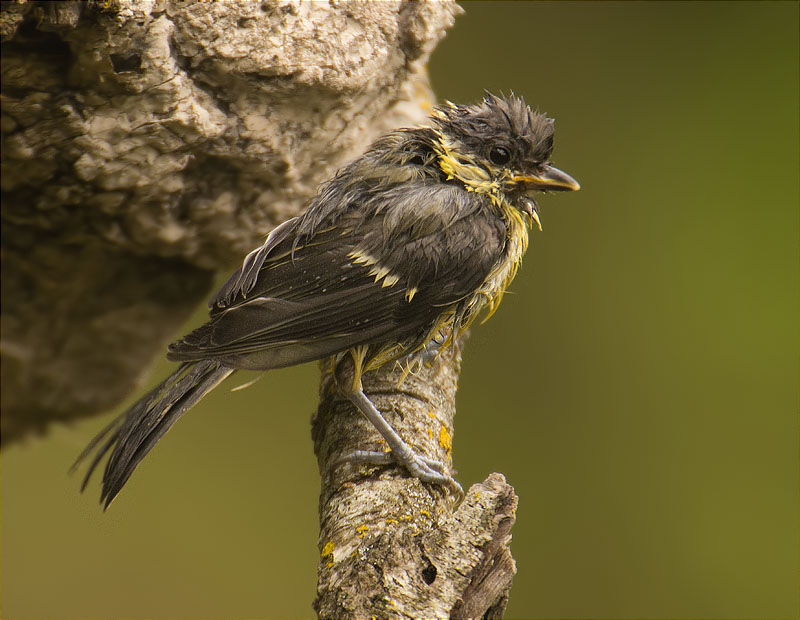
(424, 468)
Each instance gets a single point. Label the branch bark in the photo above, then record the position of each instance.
(391, 546)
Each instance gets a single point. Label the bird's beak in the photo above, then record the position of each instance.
(549, 179)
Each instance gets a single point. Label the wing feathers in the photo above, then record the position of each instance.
(321, 297)
(243, 281)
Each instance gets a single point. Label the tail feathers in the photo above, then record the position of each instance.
(131, 436)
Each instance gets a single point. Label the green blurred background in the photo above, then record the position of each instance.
(639, 387)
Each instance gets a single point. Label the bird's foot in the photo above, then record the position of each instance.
(421, 467)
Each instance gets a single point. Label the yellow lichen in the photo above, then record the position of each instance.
(445, 442)
(327, 552)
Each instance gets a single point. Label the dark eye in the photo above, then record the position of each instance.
(499, 155)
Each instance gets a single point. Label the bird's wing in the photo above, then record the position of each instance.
(356, 283)
(245, 278)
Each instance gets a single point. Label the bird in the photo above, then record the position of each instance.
(393, 259)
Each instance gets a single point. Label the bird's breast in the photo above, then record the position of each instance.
(491, 291)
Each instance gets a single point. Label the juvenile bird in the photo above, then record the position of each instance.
(397, 254)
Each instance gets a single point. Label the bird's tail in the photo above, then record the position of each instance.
(133, 434)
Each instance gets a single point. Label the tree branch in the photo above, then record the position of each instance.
(391, 546)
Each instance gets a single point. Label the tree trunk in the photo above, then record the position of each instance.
(147, 145)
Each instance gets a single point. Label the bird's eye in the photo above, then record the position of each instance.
(499, 155)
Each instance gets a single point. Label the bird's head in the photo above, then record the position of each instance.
(502, 148)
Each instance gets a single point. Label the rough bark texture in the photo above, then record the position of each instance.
(391, 546)
(146, 145)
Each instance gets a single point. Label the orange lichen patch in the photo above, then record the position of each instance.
(362, 530)
(445, 441)
(430, 434)
(392, 522)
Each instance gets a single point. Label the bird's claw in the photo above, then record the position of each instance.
(421, 467)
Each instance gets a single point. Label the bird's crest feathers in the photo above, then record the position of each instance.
(506, 121)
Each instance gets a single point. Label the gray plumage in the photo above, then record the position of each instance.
(405, 244)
